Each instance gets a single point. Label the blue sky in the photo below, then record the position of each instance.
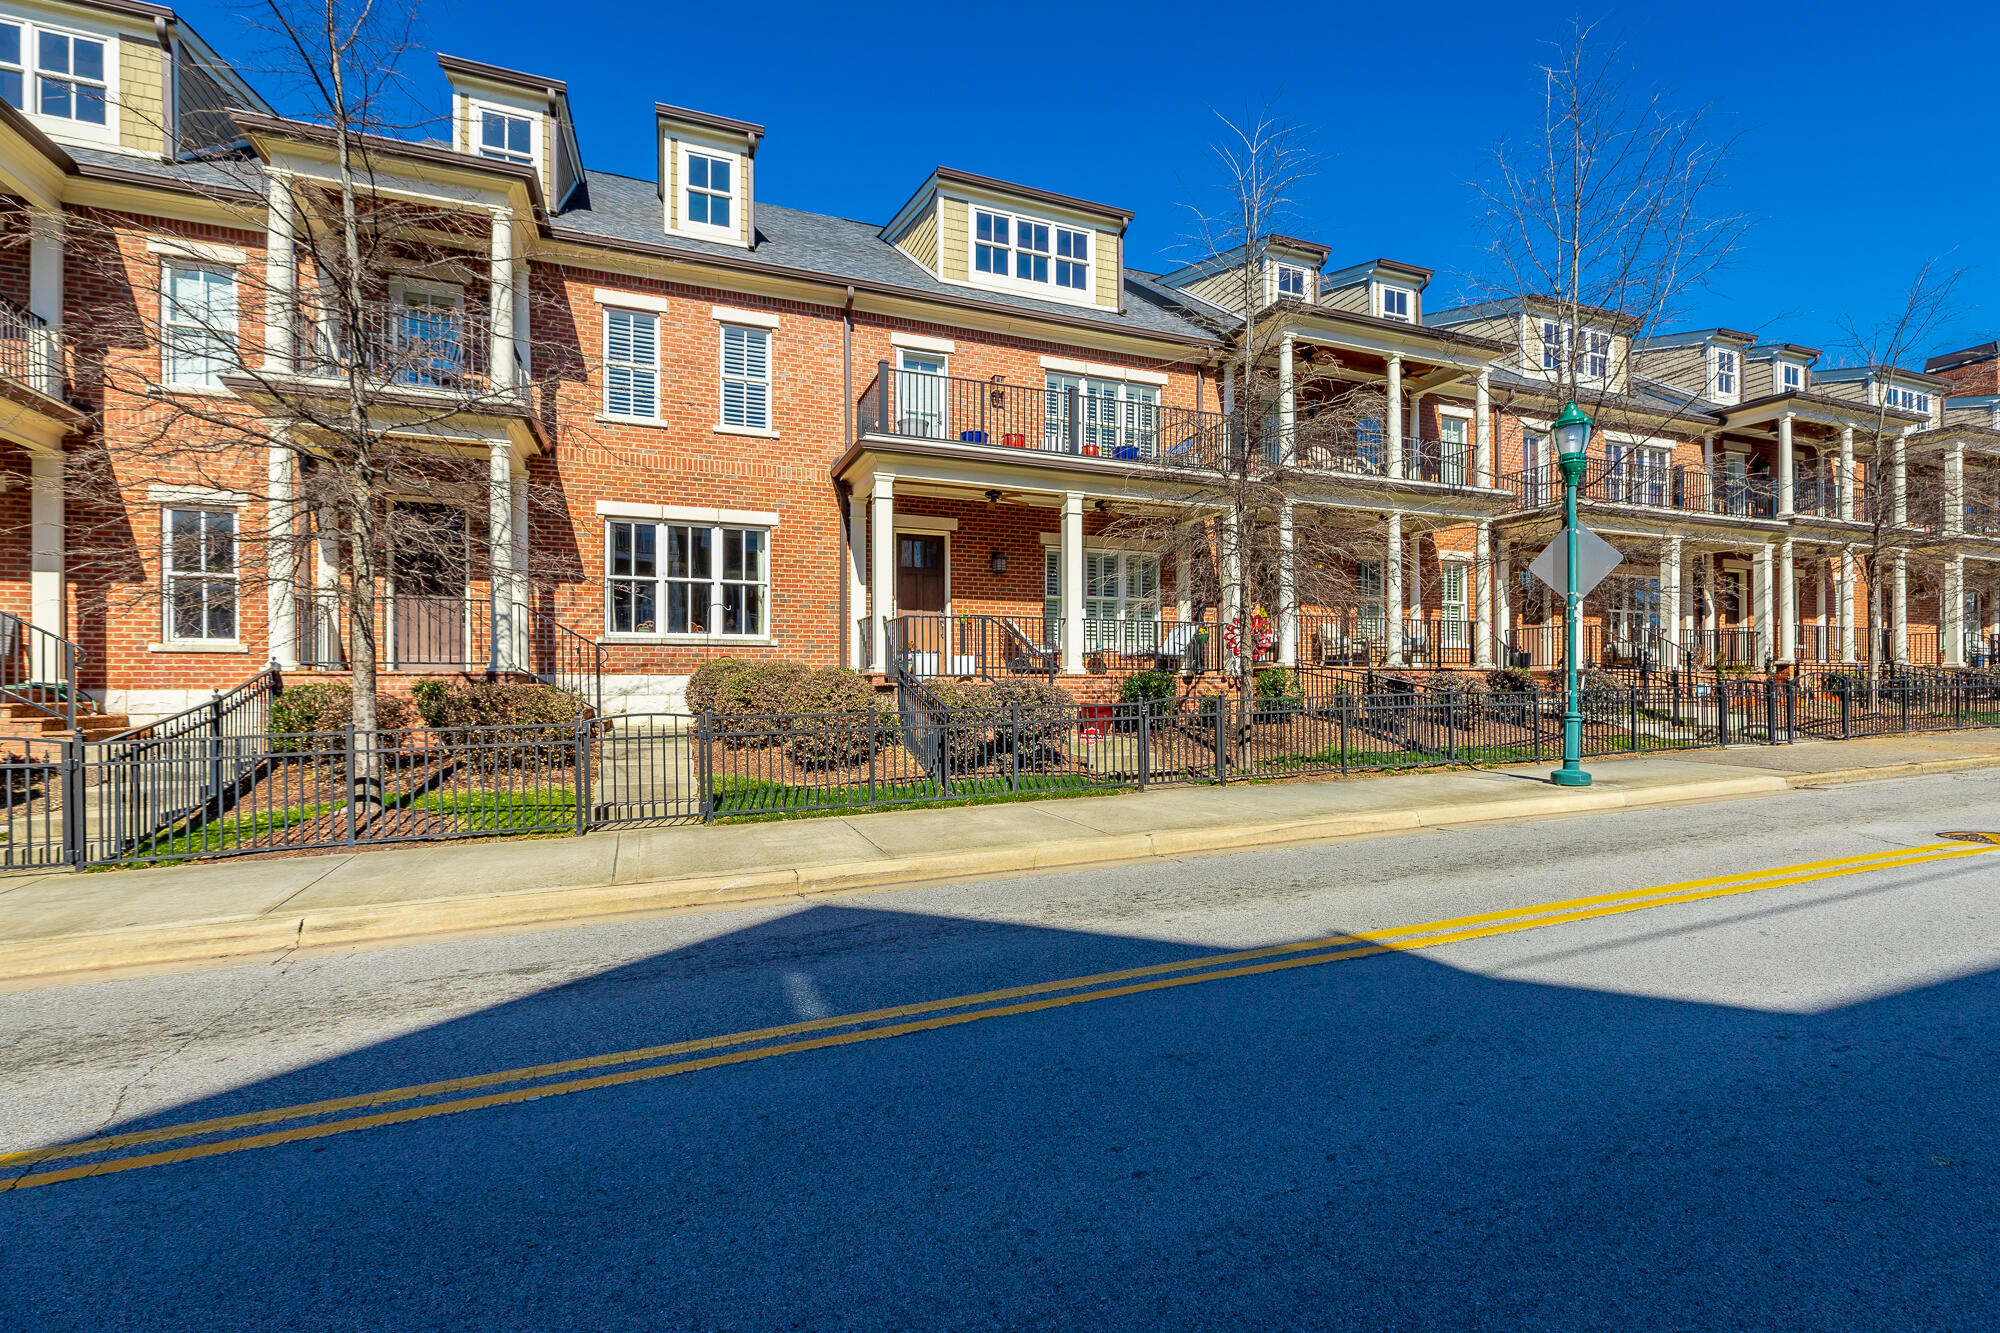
(1860, 154)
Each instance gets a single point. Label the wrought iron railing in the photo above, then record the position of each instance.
(1681, 489)
(38, 669)
(32, 352)
(404, 346)
(419, 632)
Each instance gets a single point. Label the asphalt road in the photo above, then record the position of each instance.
(1749, 1103)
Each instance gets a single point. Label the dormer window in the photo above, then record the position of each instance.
(1291, 282)
(506, 137)
(1725, 373)
(1597, 356)
(1910, 400)
(1791, 376)
(710, 191)
(1552, 341)
(1023, 249)
(1396, 303)
(69, 80)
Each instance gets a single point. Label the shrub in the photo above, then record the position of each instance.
(1605, 697)
(710, 679)
(324, 706)
(742, 696)
(1275, 694)
(427, 694)
(969, 703)
(541, 724)
(1462, 691)
(827, 742)
(1156, 690)
(1511, 680)
(1047, 710)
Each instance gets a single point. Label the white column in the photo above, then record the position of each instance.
(517, 582)
(1954, 487)
(1847, 473)
(1670, 592)
(860, 643)
(1228, 388)
(324, 634)
(1392, 591)
(1899, 608)
(882, 567)
(1844, 597)
(500, 297)
(1287, 404)
(500, 551)
(1288, 586)
(1785, 487)
(1899, 478)
(281, 550)
(1482, 430)
(1183, 579)
(1503, 593)
(1482, 595)
(1072, 583)
(45, 555)
(1954, 612)
(1760, 578)
(45, 292)
(1395, 413)
(281, 275)
(1709, 484)
(1788, 604)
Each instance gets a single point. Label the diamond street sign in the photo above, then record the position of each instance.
(1595, 558)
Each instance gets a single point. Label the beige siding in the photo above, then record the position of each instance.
(1682, 367)
(1759, 379)
(1853, 390)
(745, 214)
(1224, 289)
(1353, 297)
(672, 184)
(141, 104)
(1110, 270)
(955, 240)
(920, 240)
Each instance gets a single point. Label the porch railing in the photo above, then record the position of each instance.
(38, 669)
(993, 646)
(1361, 639)
(417, 347)
(1680, 489)
(32, 352)
(419, 632)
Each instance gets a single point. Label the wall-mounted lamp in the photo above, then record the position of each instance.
(999, 562)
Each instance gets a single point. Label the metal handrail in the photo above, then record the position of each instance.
(32, 351)
(35, 663)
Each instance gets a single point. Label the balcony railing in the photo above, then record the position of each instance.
(1366, 453)
(419, 632)
(992, 646)
(1819, 497)
(1686, 490)
(404, 346)
(1361, 638)
(31, 352)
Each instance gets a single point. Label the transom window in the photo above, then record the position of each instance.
(70, 83)
(746, 377)
(687, 578)
(1026, 250)
(505, 137)
(1291, 282)
(1725, 372)
(1396, 303)
(198, 310)
(709, 190)
(632, 364)
(199, 561)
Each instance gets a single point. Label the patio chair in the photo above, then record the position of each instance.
(1025, 656)
(1175, 646)
(1336, 647)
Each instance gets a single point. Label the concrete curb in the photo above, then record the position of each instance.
(208, 941)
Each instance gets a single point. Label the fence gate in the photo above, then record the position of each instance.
(641, 768)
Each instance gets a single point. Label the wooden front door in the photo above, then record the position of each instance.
(920, 576)
(428, 621)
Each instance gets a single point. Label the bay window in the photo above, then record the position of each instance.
(687, 578)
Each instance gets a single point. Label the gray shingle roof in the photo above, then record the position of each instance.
(624, 208)
(230, 174)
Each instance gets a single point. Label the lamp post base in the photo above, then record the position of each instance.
(1570, 777)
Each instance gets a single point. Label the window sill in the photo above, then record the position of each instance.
(755, 432)
(200, 646)
(607, 419)
(199, 390)
(692, 640)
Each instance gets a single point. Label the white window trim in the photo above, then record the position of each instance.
(1382, 290)
(1048, 291)
(1063, 365)
(733, 233)
(1278, 267)
(195, 497)
(475, 109)
(728, 518)
(926, 523)
(165, 325)
(725, 314)
(399, 287)
(1453, 410)
(655, 305)
(1716, 372)
(197, 252)
(769, 431)
(60, 126)
(917, 342)
(660, 581)
(168, 639)
(604, 394)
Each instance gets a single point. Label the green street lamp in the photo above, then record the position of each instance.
(1572, 432)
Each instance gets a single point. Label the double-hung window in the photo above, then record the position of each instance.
(632, 364)
(1291, 282)
(199, 563)
(1725, 373)
(1396, 304)
(1031, 250)
(1072, 258)
(687, 578)
(506, 138)
(709, 190)
(198, 312)
(1792, 376)
(1115, 419)
(992, 234)
(746, 377)
(1597, 356)
(13, 74)
(70, 82)
(1552, 342)
(1636, 474)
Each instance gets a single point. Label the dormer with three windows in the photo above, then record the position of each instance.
(1279, 268)
(1384, 288)
(1708, 363)
(974, 231)
(508, 116)
(707, 175)
(1888, 386)
(1560, 342)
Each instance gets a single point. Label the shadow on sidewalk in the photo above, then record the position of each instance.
(1383, 1143)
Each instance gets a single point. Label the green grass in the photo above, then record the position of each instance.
(754, 800)
(528, 811)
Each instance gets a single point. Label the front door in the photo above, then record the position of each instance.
(920, 580)
(427, 623)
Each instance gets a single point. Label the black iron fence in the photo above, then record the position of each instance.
(1636, 482)
(32, 352)
(217, 781)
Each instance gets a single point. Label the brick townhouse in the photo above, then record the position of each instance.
(704, 424)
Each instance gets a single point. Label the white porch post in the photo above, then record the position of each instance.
(1785, 487)
(1503, 594)
(1847, 473)
(1760, 576)
(1954, 488)
(1788, 604)
(1670, 592)
(45, 290)
(1395, 413)
(1183, 579)
(45, 556)
(1482, 431)
(327, 622)
(1287, 403)
(860, 642)
(1482, 596)
(1899, 479)
(882, 566)
(1899, 608)
(1288, 611)
(1228, 388)
(281, 551)
(500, 298)
(281, 276)
(1072, 583)
(1844, 598)
(500, 552)
(1392, 592)
(1954, 612)
(517, 581)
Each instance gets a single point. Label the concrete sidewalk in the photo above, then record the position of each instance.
(59, 924)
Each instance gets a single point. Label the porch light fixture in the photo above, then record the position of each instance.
(1572, 432)
(993, 497)
(999, 562)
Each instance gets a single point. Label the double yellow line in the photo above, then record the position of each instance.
(421, 1101)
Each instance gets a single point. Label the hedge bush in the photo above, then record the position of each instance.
(970, 704)
(324, 706)
(1275, 694)
(1511, 680)
(827, 742)
(1047, 710)
(541, 722)
(1155, 689)
(705, 686)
